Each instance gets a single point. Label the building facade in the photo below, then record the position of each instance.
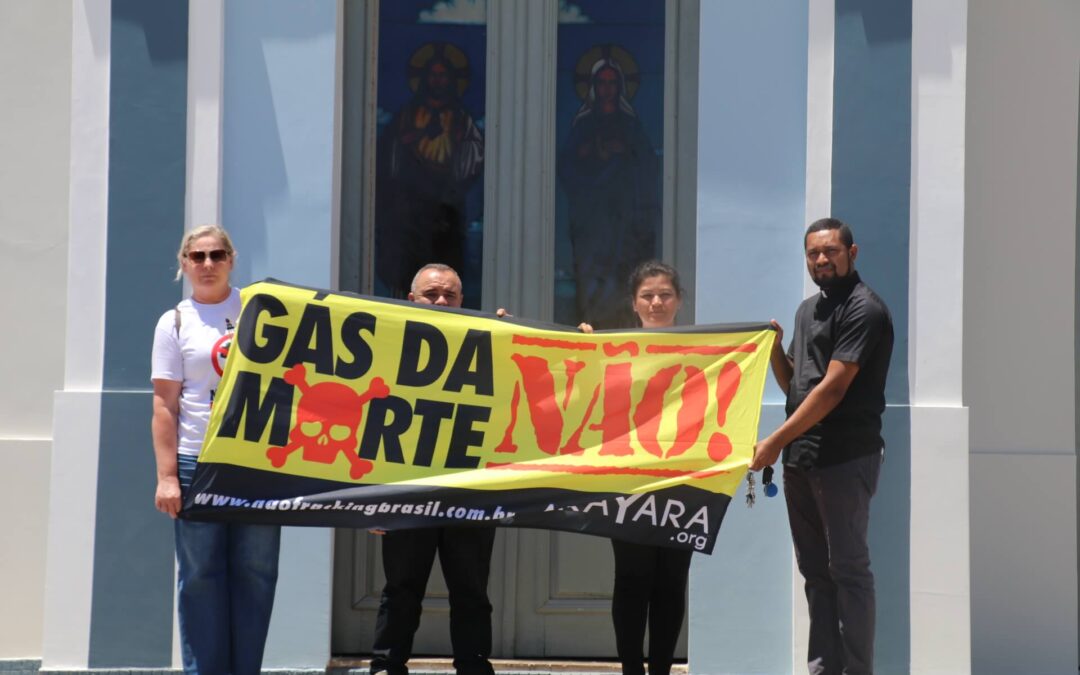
(945, 132)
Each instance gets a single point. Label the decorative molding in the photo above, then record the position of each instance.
(681, 63)
(84, 355)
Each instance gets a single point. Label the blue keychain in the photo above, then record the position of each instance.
(768, 486)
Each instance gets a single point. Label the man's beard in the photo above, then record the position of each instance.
(834, 281)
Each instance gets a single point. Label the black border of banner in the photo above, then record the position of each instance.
(662, 517)
(321, 294)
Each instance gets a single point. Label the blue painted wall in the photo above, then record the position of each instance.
(871, 167)
(751, 196)
(278, 156)
(871, 190)
(277, 202)
(131, 614)
(147, 155)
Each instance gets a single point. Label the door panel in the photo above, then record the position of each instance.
(564, 595)
(358, 582)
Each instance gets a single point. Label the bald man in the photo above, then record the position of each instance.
(408, 555)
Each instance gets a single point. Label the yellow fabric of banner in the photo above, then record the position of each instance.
(364, 391)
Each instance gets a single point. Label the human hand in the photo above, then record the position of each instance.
(779, 343)
(502, 313)
(167, 496)
(766, 452)
(378, 532)
(585, 327)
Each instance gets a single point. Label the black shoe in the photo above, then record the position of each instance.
(380, 664)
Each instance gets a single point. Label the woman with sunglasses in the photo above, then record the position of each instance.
(650, 581)
(226, 572)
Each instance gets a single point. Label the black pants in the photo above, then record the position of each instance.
(650, 586)
(829, 512)
(465, 556)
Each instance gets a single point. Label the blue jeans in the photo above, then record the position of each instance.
(225, 590)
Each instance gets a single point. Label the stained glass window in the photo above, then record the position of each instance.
(429, 156)
(609, 126)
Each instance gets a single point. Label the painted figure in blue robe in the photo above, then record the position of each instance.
(611, 176)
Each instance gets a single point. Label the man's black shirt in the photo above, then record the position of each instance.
(848, 323)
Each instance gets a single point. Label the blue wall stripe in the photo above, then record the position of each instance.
(871, 188)
(131, 614)
(751, 202)
(132, 610)
(871, 165)
(890, 550)
(147, 156)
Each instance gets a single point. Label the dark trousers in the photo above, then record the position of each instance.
(650, 586)
(465, 557)
(829, 511)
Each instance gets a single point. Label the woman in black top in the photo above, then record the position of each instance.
(650, 581)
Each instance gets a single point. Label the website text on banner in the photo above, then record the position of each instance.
(347, 411)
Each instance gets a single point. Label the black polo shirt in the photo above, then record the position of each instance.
(851, 324)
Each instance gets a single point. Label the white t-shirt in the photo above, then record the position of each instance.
(196, 359)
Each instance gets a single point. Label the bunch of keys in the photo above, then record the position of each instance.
(767, 485)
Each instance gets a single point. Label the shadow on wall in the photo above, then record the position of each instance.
(878, 19)
(163, 41)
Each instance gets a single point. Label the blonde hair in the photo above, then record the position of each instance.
(197, 233)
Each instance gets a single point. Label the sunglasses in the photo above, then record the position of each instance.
(199, 257)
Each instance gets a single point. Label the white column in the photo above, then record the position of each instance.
(89, 196)
(69, 573)
(819, 112)
(1020, 333)
(206, 48)
(519, 164)
(819, 139)
(940, 568)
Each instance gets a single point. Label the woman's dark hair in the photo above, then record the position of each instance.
(653, 268)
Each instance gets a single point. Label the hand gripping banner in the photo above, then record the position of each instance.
(347, 411)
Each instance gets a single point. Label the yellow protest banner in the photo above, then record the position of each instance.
(331, 403)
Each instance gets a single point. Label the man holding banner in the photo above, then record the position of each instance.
(464, 554)
(834, 376)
